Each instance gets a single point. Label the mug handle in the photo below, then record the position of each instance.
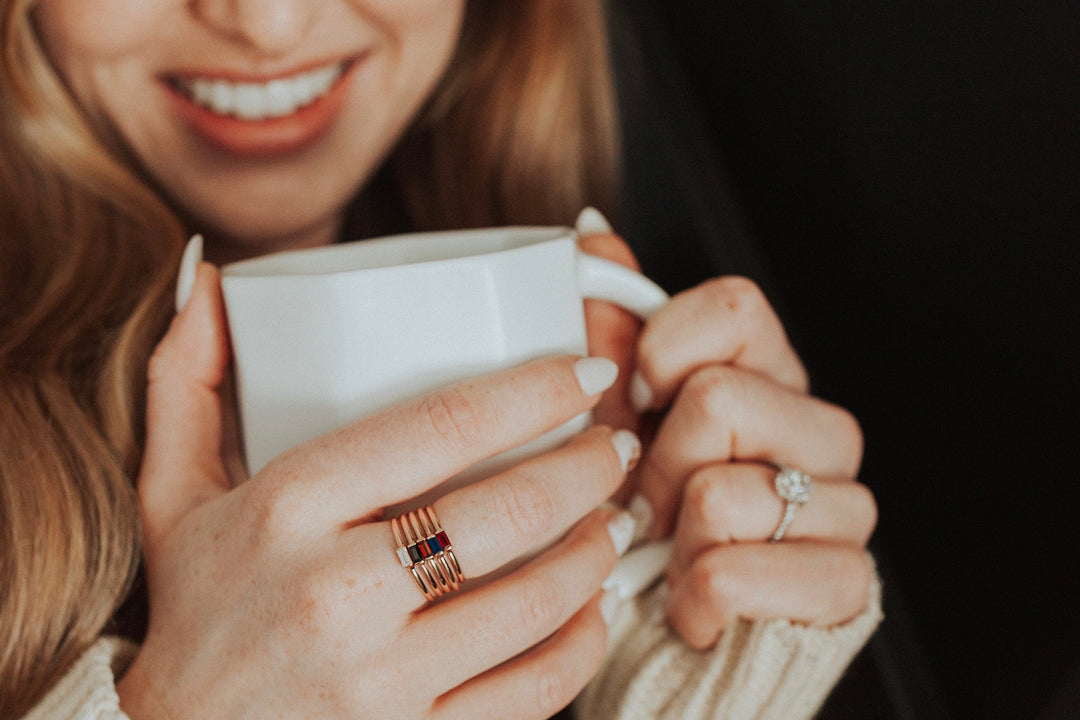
(601, 279)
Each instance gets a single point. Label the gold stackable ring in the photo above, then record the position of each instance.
(425, 551)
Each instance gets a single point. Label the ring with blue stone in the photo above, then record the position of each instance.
(426, 552)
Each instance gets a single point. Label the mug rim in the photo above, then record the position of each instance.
(400, 250)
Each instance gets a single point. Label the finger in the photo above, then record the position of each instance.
(726, 321)
(182, 464)
(613, 333)
(723, 413)
(494, 521)
(538, 683)
(485, 627)
(738, 503)
(411, 447)
(499, 519)
(815, 584)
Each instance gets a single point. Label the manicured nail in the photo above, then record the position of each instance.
(643, 514)
(185, 278)
(592, 222)
(621, 529)
(595, 374)
(628, 447)
(641, 395)
(608, 605)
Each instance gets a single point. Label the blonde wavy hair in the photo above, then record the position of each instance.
(522, 129)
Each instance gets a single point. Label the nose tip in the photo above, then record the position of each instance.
(269, 26)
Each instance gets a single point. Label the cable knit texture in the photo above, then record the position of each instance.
(769, 670)
(764, 670)
(88, 690)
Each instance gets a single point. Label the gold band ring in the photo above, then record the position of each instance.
(424, 549)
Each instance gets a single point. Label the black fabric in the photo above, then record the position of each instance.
(677, 210)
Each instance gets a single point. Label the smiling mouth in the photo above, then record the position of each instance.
(255, 101)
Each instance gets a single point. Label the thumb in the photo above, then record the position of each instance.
(182, 465)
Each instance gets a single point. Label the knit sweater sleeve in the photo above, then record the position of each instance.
(763, 670)
(88, 690)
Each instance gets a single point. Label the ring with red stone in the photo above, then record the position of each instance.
(424, 549)
(434, 529)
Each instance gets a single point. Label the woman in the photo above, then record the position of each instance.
(280, 124)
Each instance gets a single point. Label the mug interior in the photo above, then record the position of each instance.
(395, 250)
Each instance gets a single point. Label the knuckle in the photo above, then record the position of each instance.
(540, 604)
(455, 418)
(738, 295)
(525, 505)
(277, 512)
(867, 509)
(852, 432)
(554, 688)
(712, 390)
(712, 583)
(712, 500)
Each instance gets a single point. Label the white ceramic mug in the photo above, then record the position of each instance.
(324, 336)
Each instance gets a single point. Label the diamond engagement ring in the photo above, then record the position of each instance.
(794, 487)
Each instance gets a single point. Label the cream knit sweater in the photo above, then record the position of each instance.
(761, 670)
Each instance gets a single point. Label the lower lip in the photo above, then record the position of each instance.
(265, 138)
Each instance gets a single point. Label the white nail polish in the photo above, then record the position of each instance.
(608, 605)
(185, 278)
(641, 395)
(595, 374)
(643, 514)
(628, 448)
(621, 529)
(592, 222)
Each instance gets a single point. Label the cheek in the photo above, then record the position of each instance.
(434, 22)
(426, 33)
(89, 30)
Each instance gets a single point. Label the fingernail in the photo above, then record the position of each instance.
(592, 222)
(185, 278)
(643, 514)
(595, 374)
(608, 605)
(621, 529)
(628, 448)
(641, 395)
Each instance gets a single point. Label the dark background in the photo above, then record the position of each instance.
(911, 173)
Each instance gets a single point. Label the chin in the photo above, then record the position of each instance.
(239, 238)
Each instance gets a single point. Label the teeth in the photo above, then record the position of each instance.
(262, 101)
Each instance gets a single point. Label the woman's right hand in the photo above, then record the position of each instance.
(284, 597)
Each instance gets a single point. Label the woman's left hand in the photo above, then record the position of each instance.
(716, 362)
